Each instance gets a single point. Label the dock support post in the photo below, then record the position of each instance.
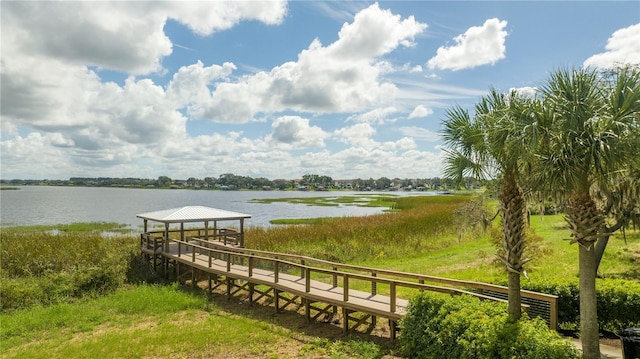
(345, 319)
(165, 267)
(229, 284)
(307, 309)
(393, 328)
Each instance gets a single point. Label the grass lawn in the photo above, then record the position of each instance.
(473, 258)
(150, 321)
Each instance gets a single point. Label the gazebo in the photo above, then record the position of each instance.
(195, 214)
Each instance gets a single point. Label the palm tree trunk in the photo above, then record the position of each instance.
(585, 221)
(513, 221)
(514, 306)
(589, 333)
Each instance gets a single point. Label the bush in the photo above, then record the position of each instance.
(464, 327)
(618, 302)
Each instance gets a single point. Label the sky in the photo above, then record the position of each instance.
(275, 89)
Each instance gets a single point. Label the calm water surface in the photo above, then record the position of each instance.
(31, 205)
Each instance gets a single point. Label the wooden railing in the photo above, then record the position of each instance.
(345, 276)
(151, 244)
(281, 264)
(224, 235)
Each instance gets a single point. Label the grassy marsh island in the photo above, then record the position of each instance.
(360, 200)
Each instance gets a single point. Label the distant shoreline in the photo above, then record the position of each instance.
(393, 189)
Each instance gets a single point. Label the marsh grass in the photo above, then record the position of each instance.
(39, 253)
(417, 227)
(91, 227)
(38, 267)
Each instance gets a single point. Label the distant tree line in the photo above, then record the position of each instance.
(230, 181)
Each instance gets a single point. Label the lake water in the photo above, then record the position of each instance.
(32, 205)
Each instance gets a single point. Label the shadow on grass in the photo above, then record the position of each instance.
(326, 329)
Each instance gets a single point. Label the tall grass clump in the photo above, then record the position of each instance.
(41, 267)
(406, 231)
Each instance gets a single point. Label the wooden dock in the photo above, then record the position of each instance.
(321, 287)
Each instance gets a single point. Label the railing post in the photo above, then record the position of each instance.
(276, 270)
(302, 269)
(250, 266)
(374, 284)
(179, 248)
(553, 313)
(228, 262)
(193, 254)
(345, 293)
(335, 277)
(307, 280)
(209, 251)
(392, 297)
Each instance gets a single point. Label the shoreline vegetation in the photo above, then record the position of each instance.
(67, 291)
(229, 181)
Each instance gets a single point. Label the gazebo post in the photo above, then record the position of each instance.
(145, 225)
(182, 231)
(166, 236)
(241, 232)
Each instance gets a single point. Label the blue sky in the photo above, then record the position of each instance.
(347, 89)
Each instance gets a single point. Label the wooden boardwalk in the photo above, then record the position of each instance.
(321, 287)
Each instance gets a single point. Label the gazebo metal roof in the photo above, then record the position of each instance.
(192, 214)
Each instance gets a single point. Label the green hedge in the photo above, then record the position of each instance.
(464, 327)
(618, 302)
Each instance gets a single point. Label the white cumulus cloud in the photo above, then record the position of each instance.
(526, 91)
(341, 77)
(295, 131)
(479, 45)
(623, 47)
(420, 111)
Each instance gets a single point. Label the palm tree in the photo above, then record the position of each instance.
(590, 133)
(492, 144)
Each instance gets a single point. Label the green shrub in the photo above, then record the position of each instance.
(618, 302)
(464, 327)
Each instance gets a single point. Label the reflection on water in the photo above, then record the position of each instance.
(61, 205)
